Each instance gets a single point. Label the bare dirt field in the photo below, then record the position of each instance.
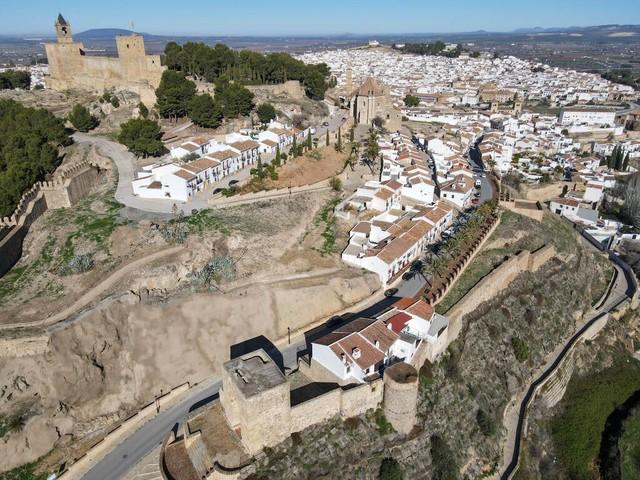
(307, 170)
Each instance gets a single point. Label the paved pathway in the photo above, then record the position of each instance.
(516, 412)
(98, 290)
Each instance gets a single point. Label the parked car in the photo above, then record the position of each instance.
(216, 191)
(233, 182)
(475, 201)
(391, 292)
(312, 130)
(325, 124)
(408, 276)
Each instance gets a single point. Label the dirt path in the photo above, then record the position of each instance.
(95, 292)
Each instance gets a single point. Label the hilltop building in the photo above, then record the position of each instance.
(371, 100)
(133, 69)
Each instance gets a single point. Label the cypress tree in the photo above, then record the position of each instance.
(339, 142)
(309, 144)
(352, 135)
(294, 148)
(327, 137)
(625, 163)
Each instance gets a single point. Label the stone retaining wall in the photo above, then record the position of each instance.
(494, 283)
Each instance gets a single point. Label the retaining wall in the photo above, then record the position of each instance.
(494, 283)
(268, 194)
(78, 468)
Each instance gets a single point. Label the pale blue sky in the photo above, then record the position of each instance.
(305, 17)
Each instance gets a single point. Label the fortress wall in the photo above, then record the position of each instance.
(494, 283)
(358, 400)
(316, 410)
(291, 88)
(73, 183)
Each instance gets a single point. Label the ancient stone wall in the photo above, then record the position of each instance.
(70, 184)
(362, 398)
(494, 283)
(291, 88)
(316, 410)
(132, 70)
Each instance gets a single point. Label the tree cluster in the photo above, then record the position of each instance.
(141, 137)
(246, 67)
(28, 150)
(11, 79)
(438, 48)
(619, 159)
(411, 101)
(81, 119)
(176, 97)
(266, 112)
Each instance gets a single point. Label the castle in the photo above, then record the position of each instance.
(133, 69)
(260, 407)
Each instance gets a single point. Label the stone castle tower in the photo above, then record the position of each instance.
(63, 30)
(133, 70)
(400, 403)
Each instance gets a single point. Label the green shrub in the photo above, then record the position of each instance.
(382, 424)
(390, 470)
(336, 184)
(486, 423)
(520, 349)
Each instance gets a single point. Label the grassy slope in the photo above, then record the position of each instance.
(551, 231)
(630, 448)
(588, 402)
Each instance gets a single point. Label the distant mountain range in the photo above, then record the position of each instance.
(596, 30)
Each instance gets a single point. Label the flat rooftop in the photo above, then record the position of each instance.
(254, 373)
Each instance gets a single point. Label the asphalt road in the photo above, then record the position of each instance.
(134, 448)
(486, 188)
(120, 460)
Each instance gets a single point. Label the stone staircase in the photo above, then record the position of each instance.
(198, 454)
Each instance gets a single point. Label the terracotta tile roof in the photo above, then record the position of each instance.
(185, 174)
(244, 145)
(201, 165)
(362, 227)
(270, 143)
(421, 309)
(384, 194)
(398, 321)
(223, 154)
(344, 331)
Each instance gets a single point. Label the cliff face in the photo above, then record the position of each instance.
(117, 356)
(462, 398)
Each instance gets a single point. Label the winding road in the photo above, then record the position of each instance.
(623, 288)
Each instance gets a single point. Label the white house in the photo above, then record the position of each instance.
(356, 350)
(458, 191)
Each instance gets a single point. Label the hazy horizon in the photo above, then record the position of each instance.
(269, 18)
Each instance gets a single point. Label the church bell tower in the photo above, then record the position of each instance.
(63, 30)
